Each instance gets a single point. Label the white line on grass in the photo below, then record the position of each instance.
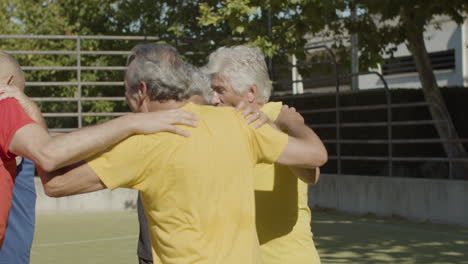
(400, 228)
(84, 241)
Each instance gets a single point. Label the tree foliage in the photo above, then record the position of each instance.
(379, 24)
(276, 26)
(172, 21)
(290, 21)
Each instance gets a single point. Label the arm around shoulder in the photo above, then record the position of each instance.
(304, 148)
(74, 179)
(304, 153)
(33, 141)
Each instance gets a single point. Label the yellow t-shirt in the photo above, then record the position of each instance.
(197, 191)
(282, 213)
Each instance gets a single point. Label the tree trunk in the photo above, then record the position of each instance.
(414, 30)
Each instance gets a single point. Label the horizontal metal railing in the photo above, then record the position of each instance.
(341, 138)
(337, 125)
(78, 68)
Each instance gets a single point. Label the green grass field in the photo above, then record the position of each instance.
(340, 238)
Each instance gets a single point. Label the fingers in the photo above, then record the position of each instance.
(178, 117)
(259, 118)
(185, 118)
(7, 91)
(254, 116)
(4, 96)
(249, 110)
(185, 122)
(176, 130)
(8, 88)
(178, 113)
(188, 115)
(240, 106)
(261, 121)
(288, 110)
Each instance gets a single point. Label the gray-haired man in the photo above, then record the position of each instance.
(240, 77)
(200, 94)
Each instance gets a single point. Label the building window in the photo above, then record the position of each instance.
(442, 60)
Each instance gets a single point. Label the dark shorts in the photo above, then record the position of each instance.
(144, 261)
(145, 255)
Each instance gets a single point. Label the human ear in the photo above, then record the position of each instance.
(252, 93)
(7, 80)
(142, 90)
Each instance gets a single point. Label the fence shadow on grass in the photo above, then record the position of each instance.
(369, 240)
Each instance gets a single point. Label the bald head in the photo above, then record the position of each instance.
(10, 71)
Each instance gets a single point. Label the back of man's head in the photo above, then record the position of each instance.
(243, 67)
(162, 69)
(200, 83)
(10, 71)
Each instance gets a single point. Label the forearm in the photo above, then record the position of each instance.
(309, 138)
(309, 176)
(74, 179)
(304, 149)
(53, 182)
(75, 146)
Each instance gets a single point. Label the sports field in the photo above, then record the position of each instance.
(340, 238)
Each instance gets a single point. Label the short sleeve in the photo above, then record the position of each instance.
(122, 165)
(267, 143)
(12, 118)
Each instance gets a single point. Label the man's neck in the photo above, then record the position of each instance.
(154, 106)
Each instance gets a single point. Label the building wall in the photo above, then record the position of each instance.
(437, 201)
(448, 36)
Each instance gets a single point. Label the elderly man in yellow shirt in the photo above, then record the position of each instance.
(283, 217)
(197, 191)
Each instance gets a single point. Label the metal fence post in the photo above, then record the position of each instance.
(78, 80)
(337, 102)
(450, 156)
(389, 124)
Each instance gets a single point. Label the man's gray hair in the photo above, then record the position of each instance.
(200, 84)
(160, 66)
(242, 67)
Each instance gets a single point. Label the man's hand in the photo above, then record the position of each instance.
(152, 122)
(9, 91)
(288, 119)
(253, 114)
(29, 107)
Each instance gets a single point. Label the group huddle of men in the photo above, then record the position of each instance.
(221, 172)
